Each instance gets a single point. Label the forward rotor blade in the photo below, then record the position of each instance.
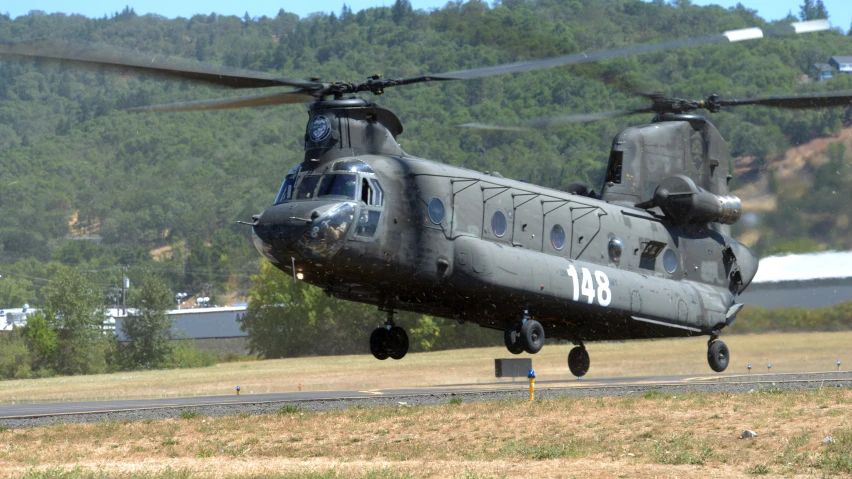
(229, 103)
(93, 55)
(843, 98)
(544, 123)
(726, 37)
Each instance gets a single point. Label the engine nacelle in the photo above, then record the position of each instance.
(685, 203)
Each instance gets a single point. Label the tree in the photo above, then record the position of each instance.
(813, 11)
(75, 311)
(148, 329)
(42, 341)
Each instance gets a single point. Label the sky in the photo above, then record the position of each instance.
(840, 11)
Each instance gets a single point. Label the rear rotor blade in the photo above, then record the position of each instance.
(229, 103)
(822, 100)
(93, 55)
(544, 123)
(726, 37)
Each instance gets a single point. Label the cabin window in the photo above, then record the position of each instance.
(615, 247)
(368, 222)
(557, 237)
(352, 166)
(306, 188)
(436, 211)
(498, 224)
(371, 192)
(613, 173)
(670, 261)
(343, 186)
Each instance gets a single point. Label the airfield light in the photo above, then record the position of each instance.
(838, 365)
(300, 276)
(749, 368)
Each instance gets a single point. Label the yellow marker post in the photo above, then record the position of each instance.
(238, 390)
(531, 377)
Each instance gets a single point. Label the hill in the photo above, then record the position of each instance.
(75, 164)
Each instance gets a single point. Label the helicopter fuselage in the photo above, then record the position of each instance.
(411, 234)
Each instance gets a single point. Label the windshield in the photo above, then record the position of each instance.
(307, 187)
(286, 191)
(341, 185)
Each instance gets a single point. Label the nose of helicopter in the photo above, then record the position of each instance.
(308, 230)
(747, 261)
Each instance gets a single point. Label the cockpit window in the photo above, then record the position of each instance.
(307, 187)
(352, 166)
(287, 189)
(343, 185)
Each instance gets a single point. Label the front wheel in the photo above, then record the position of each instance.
(718, 356)
(398, 343)
(379, 342)
(512, 338)
(532, 336)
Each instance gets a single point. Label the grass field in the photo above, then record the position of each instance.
(786, 353)
(655, 435)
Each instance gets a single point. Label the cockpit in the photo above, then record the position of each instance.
(348, 180)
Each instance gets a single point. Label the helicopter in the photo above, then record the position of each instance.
(649, 256)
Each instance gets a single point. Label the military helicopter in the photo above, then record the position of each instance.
(650, 256)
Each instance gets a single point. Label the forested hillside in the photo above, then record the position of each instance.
(73, 163)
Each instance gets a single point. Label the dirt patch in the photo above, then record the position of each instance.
(78, 230)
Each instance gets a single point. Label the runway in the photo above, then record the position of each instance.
(325, 400)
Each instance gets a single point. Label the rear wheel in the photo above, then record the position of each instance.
(718, 356)
(379, 342)
(579, 361)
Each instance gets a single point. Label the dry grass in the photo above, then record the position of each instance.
(786, 352)
(656, 435)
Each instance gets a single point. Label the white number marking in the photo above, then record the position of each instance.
(588, 289)
(604, 294)
(573, 274)
(587, 286)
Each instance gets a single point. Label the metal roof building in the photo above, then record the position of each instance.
(812, 281)
(195, 323)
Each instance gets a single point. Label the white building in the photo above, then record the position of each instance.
(815, 280)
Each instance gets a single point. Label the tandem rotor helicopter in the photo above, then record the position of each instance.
(650, 256)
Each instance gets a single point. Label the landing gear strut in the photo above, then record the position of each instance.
(717, 353)
(389, 341)
(578, 360)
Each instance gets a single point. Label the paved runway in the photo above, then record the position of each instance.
(618, 386)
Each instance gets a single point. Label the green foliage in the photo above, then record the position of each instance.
(287, 319)
(755, 319)
(148, 328)
(189, 414)
(185, 354)
(43, 341)
(75, 311)
(289, 409)
(15, 356)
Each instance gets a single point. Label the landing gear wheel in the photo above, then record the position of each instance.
(579, 361)
(512, 338)
(379, 342)
(718, 356)
(398, 343)
(532, 336)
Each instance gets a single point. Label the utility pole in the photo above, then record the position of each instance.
(124, 290)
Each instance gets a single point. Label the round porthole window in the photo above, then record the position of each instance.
(498, 224)
(614, 248)
(670, 261)
(557, 237)
(436, 211)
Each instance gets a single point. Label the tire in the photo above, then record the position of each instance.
(512, 338)
(532, 336)
(379, 341)
(398, 343)
(718, 356)
(579, 361)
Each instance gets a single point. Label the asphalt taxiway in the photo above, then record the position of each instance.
(35, 414)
